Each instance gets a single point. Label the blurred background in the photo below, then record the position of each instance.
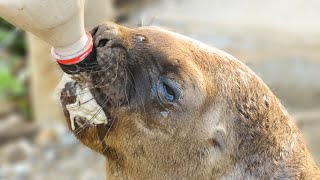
(279, 40)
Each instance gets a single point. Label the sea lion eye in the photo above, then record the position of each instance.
(168, 91)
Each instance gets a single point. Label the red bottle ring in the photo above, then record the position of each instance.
(79, 57)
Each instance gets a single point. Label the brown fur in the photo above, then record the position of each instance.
(227, 123)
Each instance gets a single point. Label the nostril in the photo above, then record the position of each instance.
(102, 42)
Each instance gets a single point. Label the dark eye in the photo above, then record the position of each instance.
(168, 91)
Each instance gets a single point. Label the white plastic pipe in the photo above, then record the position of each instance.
(58, 22)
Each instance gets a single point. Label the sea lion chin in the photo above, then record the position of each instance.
(163, 106)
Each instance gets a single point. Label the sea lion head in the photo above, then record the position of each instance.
(159, 105)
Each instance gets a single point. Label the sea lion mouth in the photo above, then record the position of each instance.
(83, 110)
(94, 96)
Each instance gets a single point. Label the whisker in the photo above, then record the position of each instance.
(125, 80)
(92, 118)
(80, 104)
(112, 124)
(133, 84)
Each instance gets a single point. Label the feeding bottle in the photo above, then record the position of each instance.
(60, 23)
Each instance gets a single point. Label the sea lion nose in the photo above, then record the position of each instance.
(101, 35)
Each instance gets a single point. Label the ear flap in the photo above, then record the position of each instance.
(219, 138)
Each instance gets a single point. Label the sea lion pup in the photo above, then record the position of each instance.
(159, 105)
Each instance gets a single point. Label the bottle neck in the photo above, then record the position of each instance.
(73, 49)
(76, 54)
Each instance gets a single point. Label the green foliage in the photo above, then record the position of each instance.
(17, 46)
(3, 34)
(5, 25)
(9, 85)
(12, 50)
(12, 89)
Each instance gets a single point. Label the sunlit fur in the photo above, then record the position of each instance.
(227, 123)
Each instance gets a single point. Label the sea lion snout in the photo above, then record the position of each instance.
(108, 78)
(89, 98)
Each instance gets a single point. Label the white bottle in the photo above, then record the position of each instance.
(58, 22)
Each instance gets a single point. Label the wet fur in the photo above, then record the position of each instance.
(226, 125)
